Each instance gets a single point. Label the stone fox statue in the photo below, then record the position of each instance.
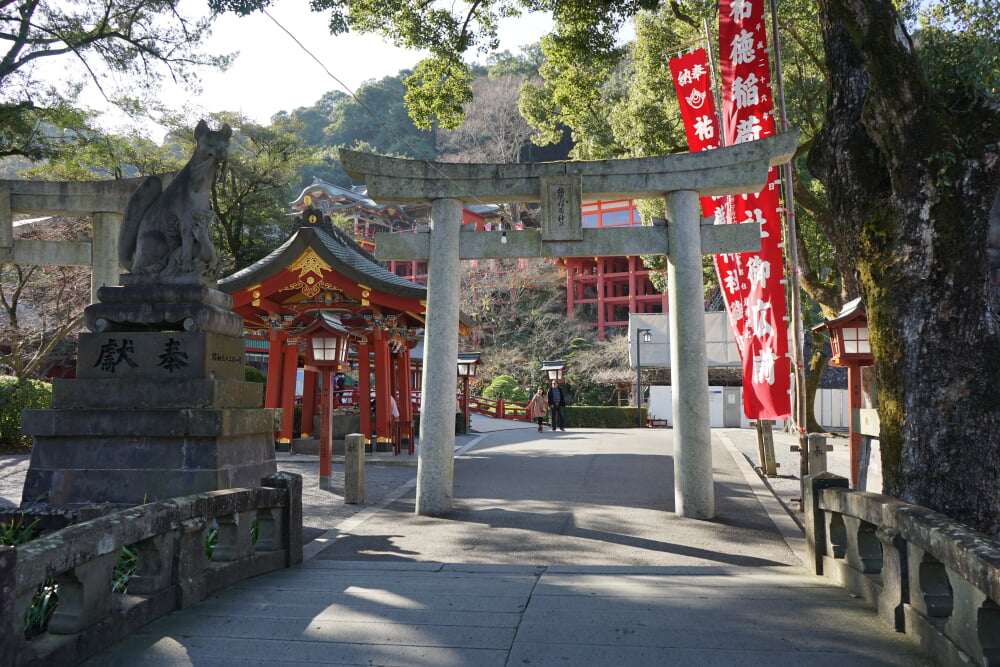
(164, 236)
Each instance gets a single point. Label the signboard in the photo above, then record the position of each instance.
(562, 203)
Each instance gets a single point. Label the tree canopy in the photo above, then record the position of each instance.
(124, 48)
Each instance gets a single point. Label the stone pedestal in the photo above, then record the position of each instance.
(159, 408)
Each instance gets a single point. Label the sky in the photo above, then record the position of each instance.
(273, 73)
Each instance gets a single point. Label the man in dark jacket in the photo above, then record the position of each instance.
(557, 401)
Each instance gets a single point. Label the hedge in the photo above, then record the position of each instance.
(251, 374)
(598, 416)
(15, 396)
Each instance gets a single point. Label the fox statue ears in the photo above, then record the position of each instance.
(202, 128)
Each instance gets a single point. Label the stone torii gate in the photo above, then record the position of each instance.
(561, 187)
(104, 201)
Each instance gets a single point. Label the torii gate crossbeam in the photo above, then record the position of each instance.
(105, 201)
(680, 179)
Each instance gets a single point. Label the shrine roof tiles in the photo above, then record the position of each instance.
(338, 251)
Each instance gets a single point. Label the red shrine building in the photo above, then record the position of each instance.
(605, 290)
(321, 279)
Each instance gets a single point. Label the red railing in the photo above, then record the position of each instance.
(498, 408)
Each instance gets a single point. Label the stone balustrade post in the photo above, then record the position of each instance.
(290, 523)
(895, 579)
(268, 531)
(234, 541)
(191, 562)
(815, 522)
(817, 453)
(84, 595)
(11, 628)
(154, 564)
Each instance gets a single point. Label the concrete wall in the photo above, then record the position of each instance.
(832, 409)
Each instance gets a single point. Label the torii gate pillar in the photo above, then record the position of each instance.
(682, 179)
(694, 496)
(436, 454)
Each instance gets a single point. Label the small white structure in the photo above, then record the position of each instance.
(720, 345)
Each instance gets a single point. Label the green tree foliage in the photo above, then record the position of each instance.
(316, 119)
(506, 386)
(96, 155)
(375, 119)
(123, 47)
(524, 63)
(441, 83)
(376, 116)
(18, 394)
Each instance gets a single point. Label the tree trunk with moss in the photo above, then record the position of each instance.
(912, 181)
(814, 373)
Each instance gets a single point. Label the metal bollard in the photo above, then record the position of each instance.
(817, 454)
(354, 469)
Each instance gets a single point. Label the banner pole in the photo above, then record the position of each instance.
(792, 249)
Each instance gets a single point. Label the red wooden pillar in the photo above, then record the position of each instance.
(601, 314)
(310, 383)
(633, 284)
(405, 400)
(465, 403)
(398, 381)
(289, 366)
(572, 282)
(326, 428)
(275, 354)
(383, 387)
(365, 388)
(854, 392)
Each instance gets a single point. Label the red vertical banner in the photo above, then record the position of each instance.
(692, 81)
(694, 93)
(762, 331)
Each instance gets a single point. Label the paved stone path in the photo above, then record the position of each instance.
(562, 550)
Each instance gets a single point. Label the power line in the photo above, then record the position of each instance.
(371, 112)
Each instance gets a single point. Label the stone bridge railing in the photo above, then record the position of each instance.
(926, 575)
(172, 568)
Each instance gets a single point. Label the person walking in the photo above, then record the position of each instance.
(557, 401)
(538, 408)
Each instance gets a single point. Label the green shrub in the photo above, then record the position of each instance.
(506, 385)
(252, 374)
(15, 396)
(589, 416)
